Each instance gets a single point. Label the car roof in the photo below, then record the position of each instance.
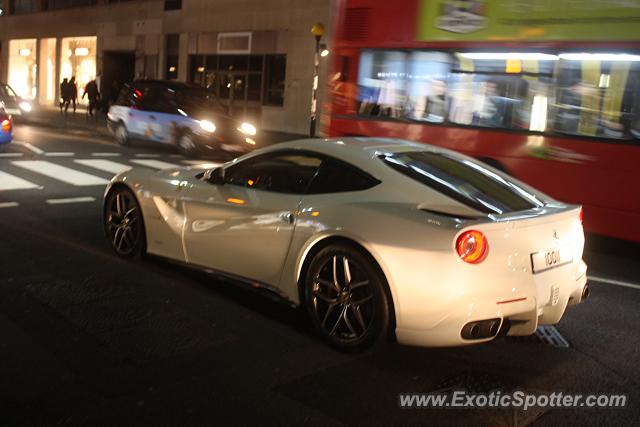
(168, 83)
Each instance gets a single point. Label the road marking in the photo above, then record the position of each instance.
(61, 173)
(201, 162)
(105, 154)
(29, 147)
(71, 200)
(61, 154)
(10, 182)
(11, 154)
(104, 165)
(155, 164)
(614, 282)
(147, 155)
(8, 205)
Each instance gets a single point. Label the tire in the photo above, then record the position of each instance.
(122, 135)
(348, 306)
(124, 224)
(187, 144)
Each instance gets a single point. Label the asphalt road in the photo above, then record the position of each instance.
(89, 339)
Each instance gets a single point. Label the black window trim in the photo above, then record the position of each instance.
(441, 188)
(301, 151)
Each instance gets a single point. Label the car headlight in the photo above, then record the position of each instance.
(25, 106)
(247, 129)
(208, 126)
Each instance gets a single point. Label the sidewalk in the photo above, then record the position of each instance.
(80, 122)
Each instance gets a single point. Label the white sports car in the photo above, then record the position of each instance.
(372, 236)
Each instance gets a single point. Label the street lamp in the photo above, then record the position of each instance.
(318, 31)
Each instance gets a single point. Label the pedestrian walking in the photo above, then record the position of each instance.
(91, 91)
(64, 94)
(73, 92)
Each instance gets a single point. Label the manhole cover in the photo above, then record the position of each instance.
(544, 335)
(476, 382)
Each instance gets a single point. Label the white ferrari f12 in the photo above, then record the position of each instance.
(373, 237)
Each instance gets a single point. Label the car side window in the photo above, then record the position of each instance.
(282, 172)
(336, 176)
(151, 99)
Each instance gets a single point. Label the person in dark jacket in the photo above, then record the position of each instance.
(91, 91)
(64, 94)
(73, 92)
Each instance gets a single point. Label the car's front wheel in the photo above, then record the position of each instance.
(121, 134)
(187, 143)
(123, 223)
(345, 297)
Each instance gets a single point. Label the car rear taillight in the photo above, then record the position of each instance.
(472, 246)
(6, 125)
(581, 215)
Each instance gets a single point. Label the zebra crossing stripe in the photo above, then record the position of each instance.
(155, 164)
(9, 205)
(10, 182)
(104, 165)
(60, 173)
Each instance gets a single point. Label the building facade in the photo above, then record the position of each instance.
(256, 55)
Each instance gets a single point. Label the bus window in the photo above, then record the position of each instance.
(382, 83)
(427, 86)
(501, 90)
(596, 95)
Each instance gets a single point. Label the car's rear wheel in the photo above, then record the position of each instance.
(345, 297)
(123, 223)
(121, 134)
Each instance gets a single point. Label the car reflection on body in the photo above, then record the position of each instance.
(181, 114)
(6, 127)
(13, 104)
(371, 236)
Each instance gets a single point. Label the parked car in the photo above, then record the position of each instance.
(180, 114)
(371, 236)
(13, 104)
(6, 127)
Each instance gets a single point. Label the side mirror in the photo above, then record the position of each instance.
(216, 176)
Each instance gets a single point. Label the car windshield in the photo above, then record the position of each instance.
(5, 90)
(469, 182)
(195, 98)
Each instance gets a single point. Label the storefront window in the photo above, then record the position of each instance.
(78, 60)
(22, 67)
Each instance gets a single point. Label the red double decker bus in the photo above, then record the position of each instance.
(547, 91)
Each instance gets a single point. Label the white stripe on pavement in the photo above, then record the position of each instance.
(155, 164)
(201, 162)
(61, 173)
(71, 200)
(613, 282)
(10, 182)
(61, 154)
(11, 155)
(8, 205)
(29, 147)
(105, 154)
(147, 155)
(104, 165)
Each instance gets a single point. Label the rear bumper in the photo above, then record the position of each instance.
(514, 316)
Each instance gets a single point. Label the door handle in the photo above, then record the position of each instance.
(287, 217)
(152, 117)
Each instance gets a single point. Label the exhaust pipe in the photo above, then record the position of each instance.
(481, 329)
(586, 291)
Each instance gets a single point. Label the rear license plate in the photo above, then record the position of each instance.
(551, 258)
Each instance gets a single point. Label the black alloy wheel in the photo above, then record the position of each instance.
(346, 299)
(123, 223)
